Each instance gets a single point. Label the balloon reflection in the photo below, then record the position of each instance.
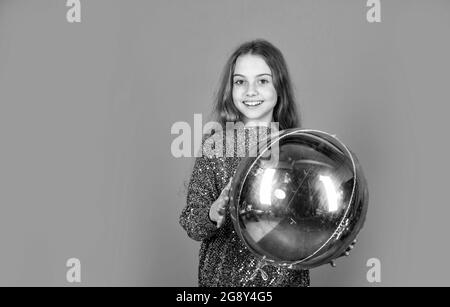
(303, 203)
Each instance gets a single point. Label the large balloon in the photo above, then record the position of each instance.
(301, 201)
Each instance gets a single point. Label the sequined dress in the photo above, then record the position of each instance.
(224, 260)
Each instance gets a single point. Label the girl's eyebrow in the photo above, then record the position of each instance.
(236, 75)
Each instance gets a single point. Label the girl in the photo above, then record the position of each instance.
(256, 90)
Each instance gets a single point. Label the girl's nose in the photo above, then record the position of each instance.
(251, 91)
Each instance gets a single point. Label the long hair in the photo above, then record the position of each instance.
(285, 110)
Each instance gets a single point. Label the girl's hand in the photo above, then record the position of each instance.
(218, 208)
(346, 253)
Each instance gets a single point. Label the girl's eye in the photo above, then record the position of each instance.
(263, 81)
(239, 82)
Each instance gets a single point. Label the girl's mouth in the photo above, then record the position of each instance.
(252, 103)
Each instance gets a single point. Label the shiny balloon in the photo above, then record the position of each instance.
(301, 201)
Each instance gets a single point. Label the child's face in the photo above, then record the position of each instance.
(254, 94)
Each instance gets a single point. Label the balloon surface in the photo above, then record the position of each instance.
(301, 201)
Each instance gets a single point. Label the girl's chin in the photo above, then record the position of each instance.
(253, 114)
(252, 119)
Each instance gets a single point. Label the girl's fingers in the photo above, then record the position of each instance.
(219, 222)
(227, 187)
(224, 196)
(223, 200)
(221, 206)
(225, 191)
(223, 203)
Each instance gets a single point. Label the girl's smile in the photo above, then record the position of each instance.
(252, 103)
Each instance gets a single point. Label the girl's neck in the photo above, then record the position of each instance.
(263, 121)
(250, 124)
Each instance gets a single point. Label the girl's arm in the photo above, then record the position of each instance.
(202, 193)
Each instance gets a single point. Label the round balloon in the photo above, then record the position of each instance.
(300, 201)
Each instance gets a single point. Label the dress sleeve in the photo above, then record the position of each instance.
(201, 194)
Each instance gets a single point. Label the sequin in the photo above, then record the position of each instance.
(224, 261)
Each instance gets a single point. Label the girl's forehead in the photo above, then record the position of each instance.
(251, 65)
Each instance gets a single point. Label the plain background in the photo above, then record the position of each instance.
(86, 111)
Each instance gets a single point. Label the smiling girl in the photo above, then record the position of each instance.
(256, 90)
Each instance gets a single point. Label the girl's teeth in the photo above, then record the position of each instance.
(252, 103)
